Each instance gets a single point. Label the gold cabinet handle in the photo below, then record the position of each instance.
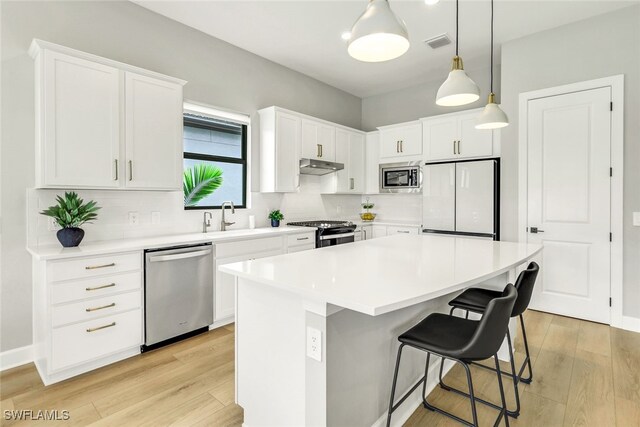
(401, 146)
(459, 147)
(302, 238)
(454, 147)
(113, 304)
(397, 146)
(321, 151)
(130, 170)
(93, 267)
(319, 154)
(116, 166)
(95, 288)
(101, 327)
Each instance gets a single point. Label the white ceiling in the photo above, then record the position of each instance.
(305, 35)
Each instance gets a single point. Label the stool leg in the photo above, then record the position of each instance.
(472, 396)
(512, 359)
(424, 385)
(393, 386)
(528, 357)
(502, 399)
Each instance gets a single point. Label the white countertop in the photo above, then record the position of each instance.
(386, 274)
(56, 251)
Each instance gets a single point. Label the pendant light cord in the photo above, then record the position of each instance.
(456, 27)
(491, 65)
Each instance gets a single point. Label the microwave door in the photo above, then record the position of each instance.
(397, 178)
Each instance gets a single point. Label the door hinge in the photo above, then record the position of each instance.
(610, 171)
(611, 237)
(609, 302)
(611, 106)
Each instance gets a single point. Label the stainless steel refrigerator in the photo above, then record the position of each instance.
(462, 198)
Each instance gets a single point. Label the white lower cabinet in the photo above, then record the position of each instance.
(401, 229)
(87, 313)
(378, 231)
(373, 231)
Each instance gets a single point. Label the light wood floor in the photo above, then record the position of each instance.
(584, 374)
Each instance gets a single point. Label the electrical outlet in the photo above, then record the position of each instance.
(636, 219)
(314, 343)
(134, 218)
(52, 225)
(155, 218)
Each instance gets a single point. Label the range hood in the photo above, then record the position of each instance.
(318, 167)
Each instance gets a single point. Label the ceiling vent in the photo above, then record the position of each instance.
(438, 41)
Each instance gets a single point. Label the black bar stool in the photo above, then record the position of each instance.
(462, 341)
(476, 300)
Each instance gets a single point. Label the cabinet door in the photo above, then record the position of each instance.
(439, 197)
(356, 163)
(318, 141)
(389, 143)
(81, 112)
(224, 295)
(475, 196)
(287, 166)
(400, 229)
(401, 141)
(366, 232)
(440, 137)
(473, 142)
(153, 136)
(343, 156)
(378, 231)
(372, 150)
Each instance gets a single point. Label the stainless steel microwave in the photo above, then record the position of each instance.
(405, 177)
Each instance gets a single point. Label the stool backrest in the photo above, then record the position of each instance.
(524, 285)
(492, 328)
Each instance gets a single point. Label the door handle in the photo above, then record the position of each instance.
(397, 146)
(401, 146)
(116, 166)
(95, 288)
(459, 147)
(130, 170)
(535, 230)
(351, 184)
(101, 327)
(180, 255)
(93, 267)
(454, 147)
(88, 310)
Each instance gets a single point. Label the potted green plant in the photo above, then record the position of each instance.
(276, 216)
(70, 213)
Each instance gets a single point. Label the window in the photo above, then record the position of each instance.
(215, 161)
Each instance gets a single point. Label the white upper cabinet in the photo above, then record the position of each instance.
(350, 152)
(280, 135)
(403, 140)
(318, 141)
(105, 124)
(79, 122)
(153, 111)
(454, 136)
(372, 163)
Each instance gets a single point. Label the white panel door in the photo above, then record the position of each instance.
(372, 168)
(356, 163)
(439, 197)
(342, 156)
(401, 141)
(473, 142)
(153, 135)
(318, 141)
(474, 196)
(569, 141)
(81, 137)
(287, 152)
(440, 137)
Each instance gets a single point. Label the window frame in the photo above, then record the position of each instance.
(243, 160)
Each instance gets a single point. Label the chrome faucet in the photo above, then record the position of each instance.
(206, 222)
(223, 223)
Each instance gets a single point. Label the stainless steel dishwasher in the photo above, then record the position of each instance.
(178, 286)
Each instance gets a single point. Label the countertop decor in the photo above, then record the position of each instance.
(276, 216)
(367, 216)
(70, 213)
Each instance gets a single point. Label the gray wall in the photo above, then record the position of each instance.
(218, 73)
(598, 47)
(420, 101)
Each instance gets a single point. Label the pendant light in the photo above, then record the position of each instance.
(378, 34)
(458, 89)
(492, 117)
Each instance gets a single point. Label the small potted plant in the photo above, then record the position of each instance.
(70, 213)
(367, 216)
(275, 216)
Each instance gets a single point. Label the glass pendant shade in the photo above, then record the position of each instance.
(378, 35)
(458, 89)
(492, 117)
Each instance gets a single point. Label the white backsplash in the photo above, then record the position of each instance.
(397, 207)
(113, 218)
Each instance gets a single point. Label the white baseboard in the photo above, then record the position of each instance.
(16, 357)
(630, 323)
(408, 407)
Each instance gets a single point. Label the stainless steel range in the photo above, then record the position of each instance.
(330, 233)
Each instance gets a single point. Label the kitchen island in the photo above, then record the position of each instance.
(316, 331)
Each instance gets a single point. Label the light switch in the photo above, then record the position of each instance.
(636, 219)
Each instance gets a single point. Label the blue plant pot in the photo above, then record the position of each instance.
(70, 237)
(275, 223)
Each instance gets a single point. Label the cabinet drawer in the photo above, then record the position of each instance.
(94, 308)
(224, 250)
(79, 268)
(301, 239)
(86, 341)
(394, 229)
(300, 248)
(95, 287)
